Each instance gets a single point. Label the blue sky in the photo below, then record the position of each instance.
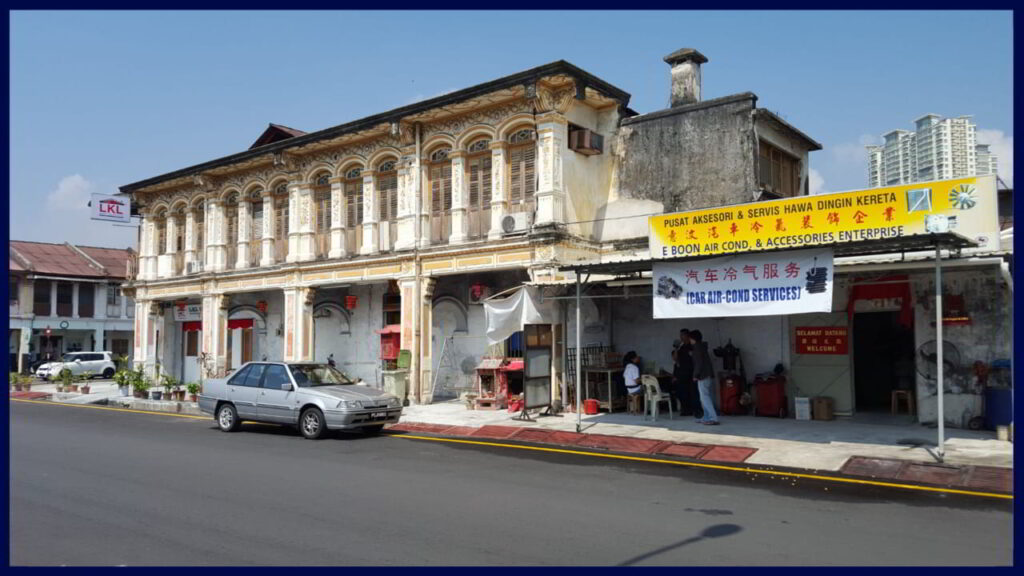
(103, 99)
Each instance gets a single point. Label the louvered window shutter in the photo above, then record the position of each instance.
(474, 184)
(323, 210)
(446, 172)
(529, 173)
(435, 190)
(515, 175)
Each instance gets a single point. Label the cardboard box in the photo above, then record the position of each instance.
(802, 408)
(822, 408)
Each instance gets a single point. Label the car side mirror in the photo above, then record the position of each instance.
(287, 387)
(78, 360)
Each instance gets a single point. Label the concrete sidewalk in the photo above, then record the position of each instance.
(834, 446)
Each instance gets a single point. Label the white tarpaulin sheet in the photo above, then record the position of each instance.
(775, 283)
(508, 316)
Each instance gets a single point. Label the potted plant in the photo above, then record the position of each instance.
(140, 384)
(15, 380)
(26, 383)
(179, 392)
(124, 381)
(193, 391)
(84, 379)
(67, 381)
(169, 383)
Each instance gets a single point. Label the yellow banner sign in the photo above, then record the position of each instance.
(967, 206)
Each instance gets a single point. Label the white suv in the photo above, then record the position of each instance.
(99, 364)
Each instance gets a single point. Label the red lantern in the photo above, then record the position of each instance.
(350, 302)
(262, 305)
(181, 305)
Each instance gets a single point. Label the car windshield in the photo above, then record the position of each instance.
(309, 375)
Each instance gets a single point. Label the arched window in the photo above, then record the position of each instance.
(522, 159)
(256, 234)
(354, 209)
(440, 195)
(322, 215)
(387, 191)
(478, 174)
(281, 223)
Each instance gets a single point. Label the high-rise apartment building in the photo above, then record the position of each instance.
(938, 148)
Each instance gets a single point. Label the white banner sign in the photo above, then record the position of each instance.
(111, 208)
(189, 313)
(765, 284)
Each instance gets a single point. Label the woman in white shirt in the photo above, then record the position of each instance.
(631, 374)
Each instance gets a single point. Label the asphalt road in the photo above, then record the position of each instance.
(97, 487)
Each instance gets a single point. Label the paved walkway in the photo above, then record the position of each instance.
(811, 444)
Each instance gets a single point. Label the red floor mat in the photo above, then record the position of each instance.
(872, 467)
(29, 395)
(620, 443)
(989, 478)
(933, 474)
(728, 453)
(496, 432)
(684, 450)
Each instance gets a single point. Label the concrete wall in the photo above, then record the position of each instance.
(986, 338)
(685, 158)
(351, 335)
(587, 179)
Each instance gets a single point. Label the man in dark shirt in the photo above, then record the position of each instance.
(703, 372)
(682, 375)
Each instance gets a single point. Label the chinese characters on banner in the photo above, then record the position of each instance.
(766, 284)
(966, 205)
(822, 340)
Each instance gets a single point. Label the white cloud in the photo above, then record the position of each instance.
(816, 182)
(1002, 146)
(853, 153)
(72, 193)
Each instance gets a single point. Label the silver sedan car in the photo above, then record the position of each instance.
(313, 397)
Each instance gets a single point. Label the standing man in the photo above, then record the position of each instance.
(702, 375)
(682, 375)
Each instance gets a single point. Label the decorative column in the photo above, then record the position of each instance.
(216, 257)
(307, 238)
(215, 335)
(244, 234)
(298, 324)
(74, 299)
(499, 202)
(53, 298)
(267, 258)
(550, 197)
(190, 236)
(170, 244)
(147, 315)
(371, 232)
(460, 199)
(99, 301)
(425, 394)
(338, 216)
(409, 338)
(147, 258)
(294, 207)
(422, 206)
(406, 217)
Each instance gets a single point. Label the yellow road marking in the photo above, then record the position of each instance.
(582, 453)
(716, 467)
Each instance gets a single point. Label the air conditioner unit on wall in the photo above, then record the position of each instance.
(586, 141)
(194, 267)
(516, 223)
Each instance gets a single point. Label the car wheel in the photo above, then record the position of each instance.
(375, 429)
(108, 373)
(227, 418)
(311, 423)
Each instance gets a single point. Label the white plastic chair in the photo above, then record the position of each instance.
(653, 397)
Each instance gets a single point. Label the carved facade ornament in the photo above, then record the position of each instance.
(555, 100)
(224, 302)
(490, 117)
(309, 296)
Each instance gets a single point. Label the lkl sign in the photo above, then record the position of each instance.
(111, 208)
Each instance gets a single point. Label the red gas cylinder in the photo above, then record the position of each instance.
(771, 395)
(590, 406)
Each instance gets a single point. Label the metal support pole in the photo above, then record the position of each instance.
(941, 414)
(579, 359)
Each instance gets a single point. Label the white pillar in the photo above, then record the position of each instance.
(190, 234)
(244, 234)
(74, 299)
(146, 321)
(550, 197)
(99, 301)
(499, 202)
(306, 236)
(215, 332)
(337, 219)
(53, 298)
(214, 235)
(298, 324)
(405, 238)
(460, 199)
(267, 259)
(97, 335)
(371, 233)
(293, 222)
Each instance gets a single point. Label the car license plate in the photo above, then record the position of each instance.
(376, 415)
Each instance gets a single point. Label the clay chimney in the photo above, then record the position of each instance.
(685, 65)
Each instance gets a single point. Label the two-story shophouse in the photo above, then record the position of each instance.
(67, 298)
(308, 245)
